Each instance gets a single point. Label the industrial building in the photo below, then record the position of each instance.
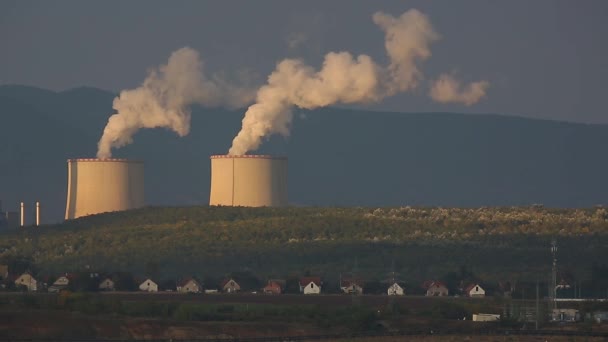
(248, 181)
(8, 219)
(103, 185)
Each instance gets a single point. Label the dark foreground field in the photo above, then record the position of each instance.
(247, 317)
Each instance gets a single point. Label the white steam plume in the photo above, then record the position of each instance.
(342, 79)
(447, 89)
(164, 98)
(407, 40)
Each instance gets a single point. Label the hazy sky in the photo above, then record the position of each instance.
(543, 59)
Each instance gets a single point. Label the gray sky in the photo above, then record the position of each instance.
(543, 59)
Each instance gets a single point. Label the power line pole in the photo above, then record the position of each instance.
(355, 283)
(537, 304)
(553, 293)
(392, 289)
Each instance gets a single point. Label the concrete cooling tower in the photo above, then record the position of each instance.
(248, 181)
(103, 185)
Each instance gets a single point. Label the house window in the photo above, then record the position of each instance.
(476, 288)
(311, 285)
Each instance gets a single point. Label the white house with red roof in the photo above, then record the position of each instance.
(61, 283)
(27, 280)
(230, 286)
(107, 284)
(395, 290)
(474, 290)
(189, 285)
(310, 285)
(148, 285)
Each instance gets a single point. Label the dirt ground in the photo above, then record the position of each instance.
(459, 338)
(39, 324)
(32, 324)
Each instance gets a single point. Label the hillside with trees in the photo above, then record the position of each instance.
(496, 244)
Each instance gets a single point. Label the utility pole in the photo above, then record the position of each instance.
(537, 304)
(552, 292)
(393, 281)
(355, 283)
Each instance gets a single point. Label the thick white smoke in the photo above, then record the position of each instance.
(448, 89)
(342, 79)
(164, 98)
(407, 40)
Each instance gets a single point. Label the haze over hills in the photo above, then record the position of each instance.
(336, 156)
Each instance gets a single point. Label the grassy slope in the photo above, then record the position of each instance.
(495, 243)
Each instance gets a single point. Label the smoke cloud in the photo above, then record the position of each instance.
(407, 40)
(447, 89)
(343, 79)
(164, 98)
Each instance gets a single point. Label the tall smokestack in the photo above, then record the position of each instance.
(37, 214)
(22, 213)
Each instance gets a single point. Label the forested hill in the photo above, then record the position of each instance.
(336, 157)
(497, 243)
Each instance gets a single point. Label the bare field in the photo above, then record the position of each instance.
(476, 338)
(324, 300)
(35, 322)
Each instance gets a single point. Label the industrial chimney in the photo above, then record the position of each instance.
(37, 214)
(103, 185)
(248, 180)
(22, 215)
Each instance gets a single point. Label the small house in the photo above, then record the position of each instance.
(395, 290)
(474, 291)
(230, 286)
(27, 280)
(310, 285)
(436, 289)
(61, 283)
(148, 285)
(351, 286)
(189, 285)
(273, 287)
(107, 284)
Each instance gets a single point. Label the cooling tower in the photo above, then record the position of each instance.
(248, 181)
(103, 185)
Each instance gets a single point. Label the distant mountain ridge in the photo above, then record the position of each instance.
(336, 156)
